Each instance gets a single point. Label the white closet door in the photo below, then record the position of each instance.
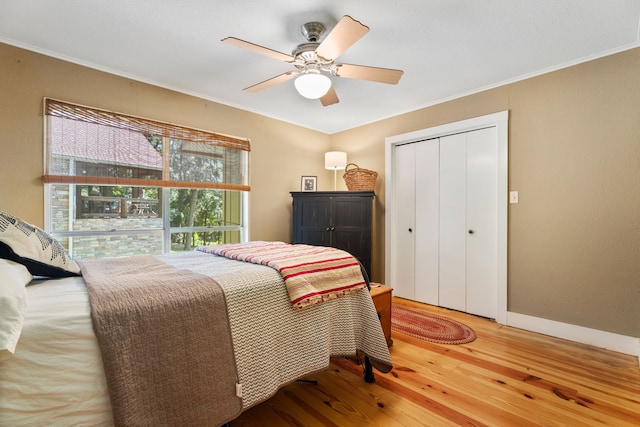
(481, 212)
(458, 215)
(402, 245)
(426, 229)
(452, 213)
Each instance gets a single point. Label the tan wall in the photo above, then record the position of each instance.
(574, 238)
(574, 156)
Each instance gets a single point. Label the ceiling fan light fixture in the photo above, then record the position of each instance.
(314, 61)
(312, 84)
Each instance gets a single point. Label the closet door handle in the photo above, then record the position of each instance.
(327, 229)
(411, 230)
(471, 231)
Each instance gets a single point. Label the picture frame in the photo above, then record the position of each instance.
(308, 183)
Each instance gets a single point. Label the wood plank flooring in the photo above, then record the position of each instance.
(506, 377)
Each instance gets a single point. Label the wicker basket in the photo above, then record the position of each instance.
(358, 179)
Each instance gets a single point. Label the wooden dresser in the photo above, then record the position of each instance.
(341, 219)
(381, 296)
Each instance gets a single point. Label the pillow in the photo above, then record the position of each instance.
(13, 304)
(34, 248)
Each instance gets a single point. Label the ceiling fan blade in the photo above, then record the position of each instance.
(346, 32)
(271, 82)
(329, 98)
(374, 74)
(258, 49)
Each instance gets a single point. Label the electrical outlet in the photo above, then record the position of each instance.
(513, 197)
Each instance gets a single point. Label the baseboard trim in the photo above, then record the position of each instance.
(608, 340)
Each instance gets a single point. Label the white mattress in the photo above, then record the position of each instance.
(56, 377)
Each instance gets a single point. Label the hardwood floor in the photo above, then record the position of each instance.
(506, 377)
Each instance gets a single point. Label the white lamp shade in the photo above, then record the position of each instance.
(335, 160)
(312, 85)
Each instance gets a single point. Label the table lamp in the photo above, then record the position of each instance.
(335, 160)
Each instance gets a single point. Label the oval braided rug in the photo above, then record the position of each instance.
(430, 327)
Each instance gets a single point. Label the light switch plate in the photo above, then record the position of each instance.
(513, 197)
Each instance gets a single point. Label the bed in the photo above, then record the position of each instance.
(55, 372)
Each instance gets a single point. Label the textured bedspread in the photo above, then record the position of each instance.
(165, 342)
(56, 376)
(275, 343)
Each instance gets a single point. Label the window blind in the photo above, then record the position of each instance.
(87, 145)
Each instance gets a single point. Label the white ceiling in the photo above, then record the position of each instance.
(447, 48)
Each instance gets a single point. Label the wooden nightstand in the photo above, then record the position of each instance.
(381, 296)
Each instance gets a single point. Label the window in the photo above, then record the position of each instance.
(120, 185)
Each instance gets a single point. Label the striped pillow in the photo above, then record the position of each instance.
(32, 247)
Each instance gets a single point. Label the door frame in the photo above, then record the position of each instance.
(500, 121)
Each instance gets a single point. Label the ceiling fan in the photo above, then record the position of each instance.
(313, 60)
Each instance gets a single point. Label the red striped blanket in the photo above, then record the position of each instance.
(312, 274)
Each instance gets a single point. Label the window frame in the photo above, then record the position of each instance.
(164, 185)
